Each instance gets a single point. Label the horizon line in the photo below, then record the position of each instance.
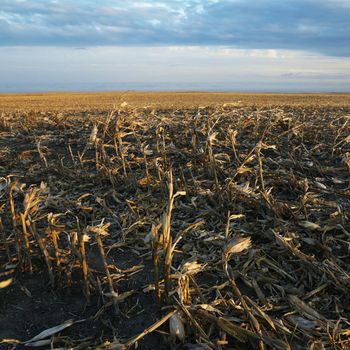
(291, 92)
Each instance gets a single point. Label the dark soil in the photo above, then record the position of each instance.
(305, 182)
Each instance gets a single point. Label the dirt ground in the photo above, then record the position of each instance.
(278, 163)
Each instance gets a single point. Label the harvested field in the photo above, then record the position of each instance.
(106, 101)
(183, 221)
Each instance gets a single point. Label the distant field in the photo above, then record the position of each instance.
(107, 100)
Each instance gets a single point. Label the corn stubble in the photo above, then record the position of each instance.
(241, 212)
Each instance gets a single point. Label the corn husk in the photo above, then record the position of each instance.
(176, 326)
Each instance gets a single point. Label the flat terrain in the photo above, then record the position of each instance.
(175, 220)
(97, 101)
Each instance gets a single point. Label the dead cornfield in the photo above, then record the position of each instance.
(219, 227)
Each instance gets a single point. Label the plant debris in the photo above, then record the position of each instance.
(217, 227)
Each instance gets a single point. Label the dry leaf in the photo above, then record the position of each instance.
(51, 331)
(309, 225)
(177, 329)
(237, 245)
(6, 283)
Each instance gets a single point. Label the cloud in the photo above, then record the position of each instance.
(321, 26)
(33, 68)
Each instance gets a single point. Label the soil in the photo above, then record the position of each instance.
(30, 306)
(51, 152)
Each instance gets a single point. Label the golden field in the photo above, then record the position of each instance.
(107, 100)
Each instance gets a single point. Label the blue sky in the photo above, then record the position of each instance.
(277, 45)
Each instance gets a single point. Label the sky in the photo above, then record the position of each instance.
(228, 45)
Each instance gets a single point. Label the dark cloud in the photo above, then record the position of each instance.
(315, 25)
